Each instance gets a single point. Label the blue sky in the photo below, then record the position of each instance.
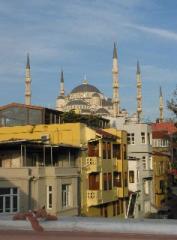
(78, 36)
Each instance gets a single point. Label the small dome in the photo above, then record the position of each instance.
(95, 95)
(102, 111)
(60, 97)
(76, 102)
(107, 102)
(85, 88)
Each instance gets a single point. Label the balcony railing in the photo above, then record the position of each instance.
(26, 172)
(93, 164)
(147, 174)
(96, 197)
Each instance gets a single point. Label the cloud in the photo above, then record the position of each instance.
(156, 31)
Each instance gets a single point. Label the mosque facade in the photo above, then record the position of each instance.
(88, 99)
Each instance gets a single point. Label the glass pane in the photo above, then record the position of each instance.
(7, 204)
(1, 204)
(4, 191)
(50, 200)
(14, 190)
(15, 204)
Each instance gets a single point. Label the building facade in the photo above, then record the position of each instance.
(70, 168)
(140, 168)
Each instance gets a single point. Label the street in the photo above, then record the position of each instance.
(30, 235)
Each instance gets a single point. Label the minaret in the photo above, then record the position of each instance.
(161, 107)
(62, 90)
(28, 83)
(115, 98)
(139, 92)
(60, 101)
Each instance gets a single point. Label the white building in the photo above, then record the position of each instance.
(139, 140)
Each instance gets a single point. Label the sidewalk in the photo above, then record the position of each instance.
(148, 226)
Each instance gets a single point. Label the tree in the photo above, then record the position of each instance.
(172, 104)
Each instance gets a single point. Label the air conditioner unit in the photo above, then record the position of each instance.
(45, 138)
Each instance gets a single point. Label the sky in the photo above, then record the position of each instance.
(78, 36)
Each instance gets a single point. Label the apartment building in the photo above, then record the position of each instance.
(104, 174)
(140, 168)
(70, 168)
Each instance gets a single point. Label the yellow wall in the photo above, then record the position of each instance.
(160, 166)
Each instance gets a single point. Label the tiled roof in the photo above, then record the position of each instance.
(164, 126)
(159, 134)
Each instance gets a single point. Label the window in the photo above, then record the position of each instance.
(137, 176)
(117, 179)
(142, 137)
(109, 150)
(130, 138)
(125, 180)
(150, 162)
(93, 149)
(116, 151)
(49, 197)
(161, 167)
(131, 177)
(125, 152)
(104, 181)
(94, 181)
(66, 195)
(146, 187)
(162, 186)
(8, 200)
(144, 163)
(149, 139)
(104, 150)
(107, 181)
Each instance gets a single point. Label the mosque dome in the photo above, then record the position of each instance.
(85, 87)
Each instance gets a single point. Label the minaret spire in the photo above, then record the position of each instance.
(62, 90)
(28, 82)
(139, 91)
(161, 106)
(115, 98)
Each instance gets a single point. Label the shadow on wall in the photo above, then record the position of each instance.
(15, 192)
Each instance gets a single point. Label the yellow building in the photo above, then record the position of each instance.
(160, 166)
(42, 165)
(104, 174)
(161, 159)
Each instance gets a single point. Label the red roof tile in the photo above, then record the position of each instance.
(165, 126)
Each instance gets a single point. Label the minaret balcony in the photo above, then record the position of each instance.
(139, 97)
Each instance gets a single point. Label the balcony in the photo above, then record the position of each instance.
(93, 164)
(27, 172)
(96, 197)
(121, 192)
(147, 174)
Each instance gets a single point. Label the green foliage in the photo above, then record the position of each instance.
(172, 104)
(89, 120)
